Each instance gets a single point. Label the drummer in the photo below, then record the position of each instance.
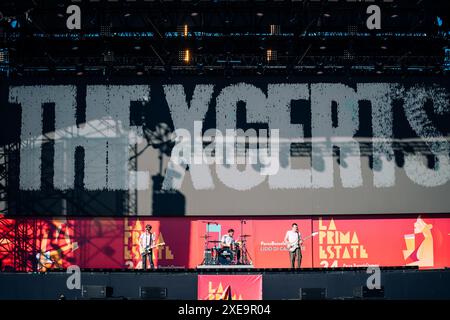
(230, 245)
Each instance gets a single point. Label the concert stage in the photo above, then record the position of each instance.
(225, 267)
(398, 283)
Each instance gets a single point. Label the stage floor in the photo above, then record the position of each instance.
(225, 267)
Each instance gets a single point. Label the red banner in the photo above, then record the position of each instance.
(348, 242)
(229, 287)
(422, 241)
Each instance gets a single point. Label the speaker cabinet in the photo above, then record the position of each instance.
(153, 293)
(96, 292)
(313, 293)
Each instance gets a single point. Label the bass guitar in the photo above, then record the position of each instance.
(147, 249)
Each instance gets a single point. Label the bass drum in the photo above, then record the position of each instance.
(226, 256)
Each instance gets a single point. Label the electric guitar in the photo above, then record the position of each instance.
(147, 249)
(294, 245)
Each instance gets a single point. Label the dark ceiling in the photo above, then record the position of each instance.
(150, 36)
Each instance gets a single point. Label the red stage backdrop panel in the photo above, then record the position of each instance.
(414, 241)
(230, 287)
(342, 241)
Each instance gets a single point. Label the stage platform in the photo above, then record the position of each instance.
(225, 267)
(181, 284)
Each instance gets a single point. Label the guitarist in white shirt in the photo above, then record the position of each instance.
(293, 240)
(146, 242)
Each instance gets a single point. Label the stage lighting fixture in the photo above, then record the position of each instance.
(439, 21)
(105, 31)
(353, 30)
(14, 23)
(80, 70)
(140, 70)
(184, 56)
(4, 56)
(275, 29)
(348, 55)
(379, 68)
(271, 55)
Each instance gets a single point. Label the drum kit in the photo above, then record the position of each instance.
(216, 254)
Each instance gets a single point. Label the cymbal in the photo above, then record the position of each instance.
(214, 241)
(245, 235)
